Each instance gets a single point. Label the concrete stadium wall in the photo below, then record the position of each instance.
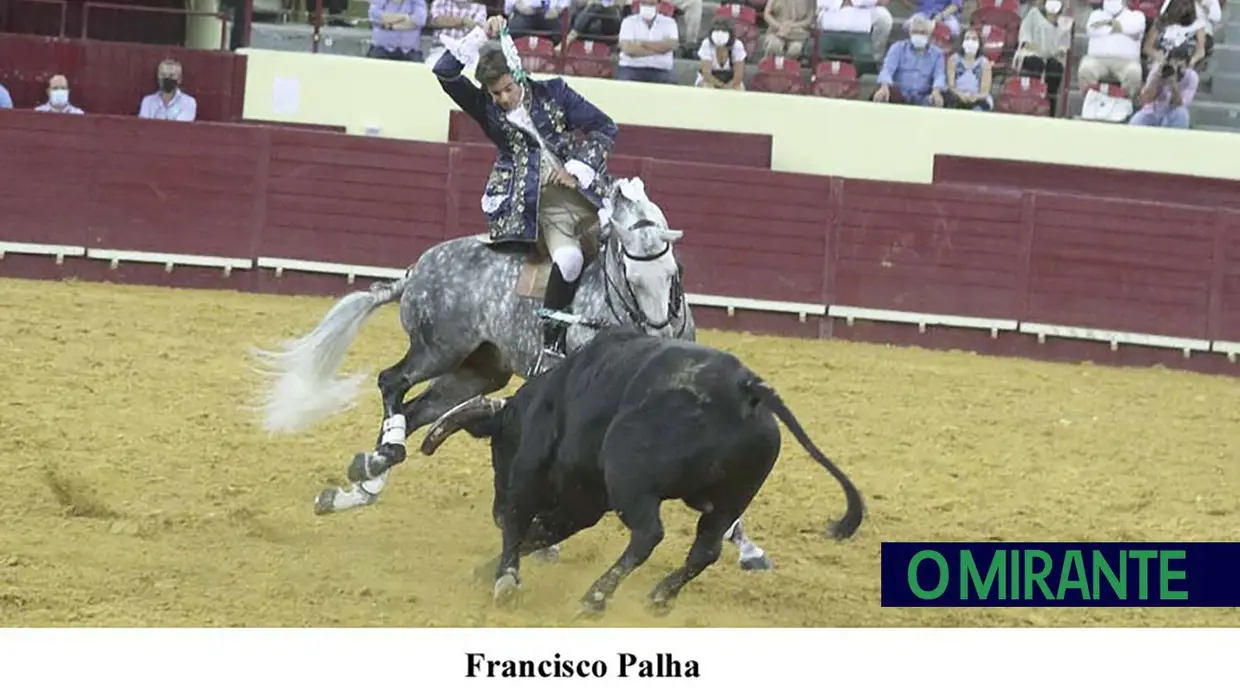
(274, 209)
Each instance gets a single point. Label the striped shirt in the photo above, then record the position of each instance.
(456, 8)
(182, 107)
(398, 39)
(69, 109)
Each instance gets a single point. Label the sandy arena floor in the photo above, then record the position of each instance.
(135, 492)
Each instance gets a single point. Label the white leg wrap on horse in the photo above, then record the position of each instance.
(393, 430)
(374, 486)
(570, 261)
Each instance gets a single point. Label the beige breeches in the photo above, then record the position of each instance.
(1093, 69)
(560, 213)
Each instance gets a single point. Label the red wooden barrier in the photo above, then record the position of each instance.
(258, 208)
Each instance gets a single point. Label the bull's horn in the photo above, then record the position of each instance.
(455, 418)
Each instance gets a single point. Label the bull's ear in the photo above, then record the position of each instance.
(672, 235)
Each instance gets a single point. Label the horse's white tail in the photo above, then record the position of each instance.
(304, 387)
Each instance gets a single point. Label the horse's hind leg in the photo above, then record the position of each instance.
(478, 374)
(752, 557)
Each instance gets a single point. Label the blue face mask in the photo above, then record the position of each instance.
(59, 97)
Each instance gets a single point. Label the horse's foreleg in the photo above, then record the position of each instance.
(752, 557)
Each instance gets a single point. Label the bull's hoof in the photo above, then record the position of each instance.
(325, 502)
(593, 605)
(658, 604)
(549, 555)
(758, 563)
(506, 589)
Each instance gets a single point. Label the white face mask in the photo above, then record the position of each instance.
(1053, 7)
(970, 47)
(1113, 7)
(59, 97)
(719, 38)
(647, 12)
(919, 40)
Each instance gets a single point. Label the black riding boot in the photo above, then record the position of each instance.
(559, 296)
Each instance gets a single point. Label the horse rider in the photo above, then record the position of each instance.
(543, 178)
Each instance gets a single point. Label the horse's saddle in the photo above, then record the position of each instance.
(536, 267)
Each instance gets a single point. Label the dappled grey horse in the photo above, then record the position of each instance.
(470, 331)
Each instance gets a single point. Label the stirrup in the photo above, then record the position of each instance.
(548, 358)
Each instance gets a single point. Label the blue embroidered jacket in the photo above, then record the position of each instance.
(510, 200)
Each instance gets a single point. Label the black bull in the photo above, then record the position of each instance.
(622, 424)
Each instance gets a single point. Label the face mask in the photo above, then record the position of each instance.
(719, 38)
(1113, 7)
(1053, 7)
(168, 85)
(970, 47)
(59, 97)
(647, 12)
(919, 40)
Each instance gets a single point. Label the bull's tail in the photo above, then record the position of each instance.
(304, 387)
(764, 393)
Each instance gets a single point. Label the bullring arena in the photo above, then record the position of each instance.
(138, 492)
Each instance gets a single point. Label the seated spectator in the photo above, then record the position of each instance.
(647, 42)
(169, 103)
(1114, 50)
(914, 70)
(969, 76)
(1168, 92)
(689, 24)
(453, 19)
(58, 97)
(846, 27)
(723, 58)
(945, 11)
(6, 101)
(1177, 24)
(535, 18)
(1044, 43)
(1209, 13)
(789, 23)
(597, 20)
(396, 29)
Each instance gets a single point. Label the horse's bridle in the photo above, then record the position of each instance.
(633, 311)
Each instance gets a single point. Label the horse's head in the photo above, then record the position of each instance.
(647, 259)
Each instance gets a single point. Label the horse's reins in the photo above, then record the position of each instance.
(634, 311)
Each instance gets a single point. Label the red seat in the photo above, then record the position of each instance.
(588, 59)
(835, 80)
(778, 75)
(1024, 95)
(537, 54)
(744, 24)
(665, 8)
(1112, 89)
(998, 13)
(994, 44)
(941, 36)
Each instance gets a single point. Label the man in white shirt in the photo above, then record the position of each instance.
(647, 42)
(1114, 52)
(169, 103)
(58, 97)
(846, 31)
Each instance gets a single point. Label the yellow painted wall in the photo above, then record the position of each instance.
(810, 135)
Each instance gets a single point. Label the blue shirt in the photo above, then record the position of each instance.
(913, 73)
(930, 8)
(6, 102)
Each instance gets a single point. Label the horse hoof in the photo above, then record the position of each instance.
(325, 502)
(759, 563)
(506, 588)
(549, 555)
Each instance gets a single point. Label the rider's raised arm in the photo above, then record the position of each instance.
(459, 53)
(600, 131)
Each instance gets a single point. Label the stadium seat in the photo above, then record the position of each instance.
(537, 54)
(994, 45)
(744, 23)
(941, 36)
(1112, 89)
(778, 75)
(665, 8)
(588, 59)
(998, 13)
(1024, 95)
(758, 5)
(835, 80)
